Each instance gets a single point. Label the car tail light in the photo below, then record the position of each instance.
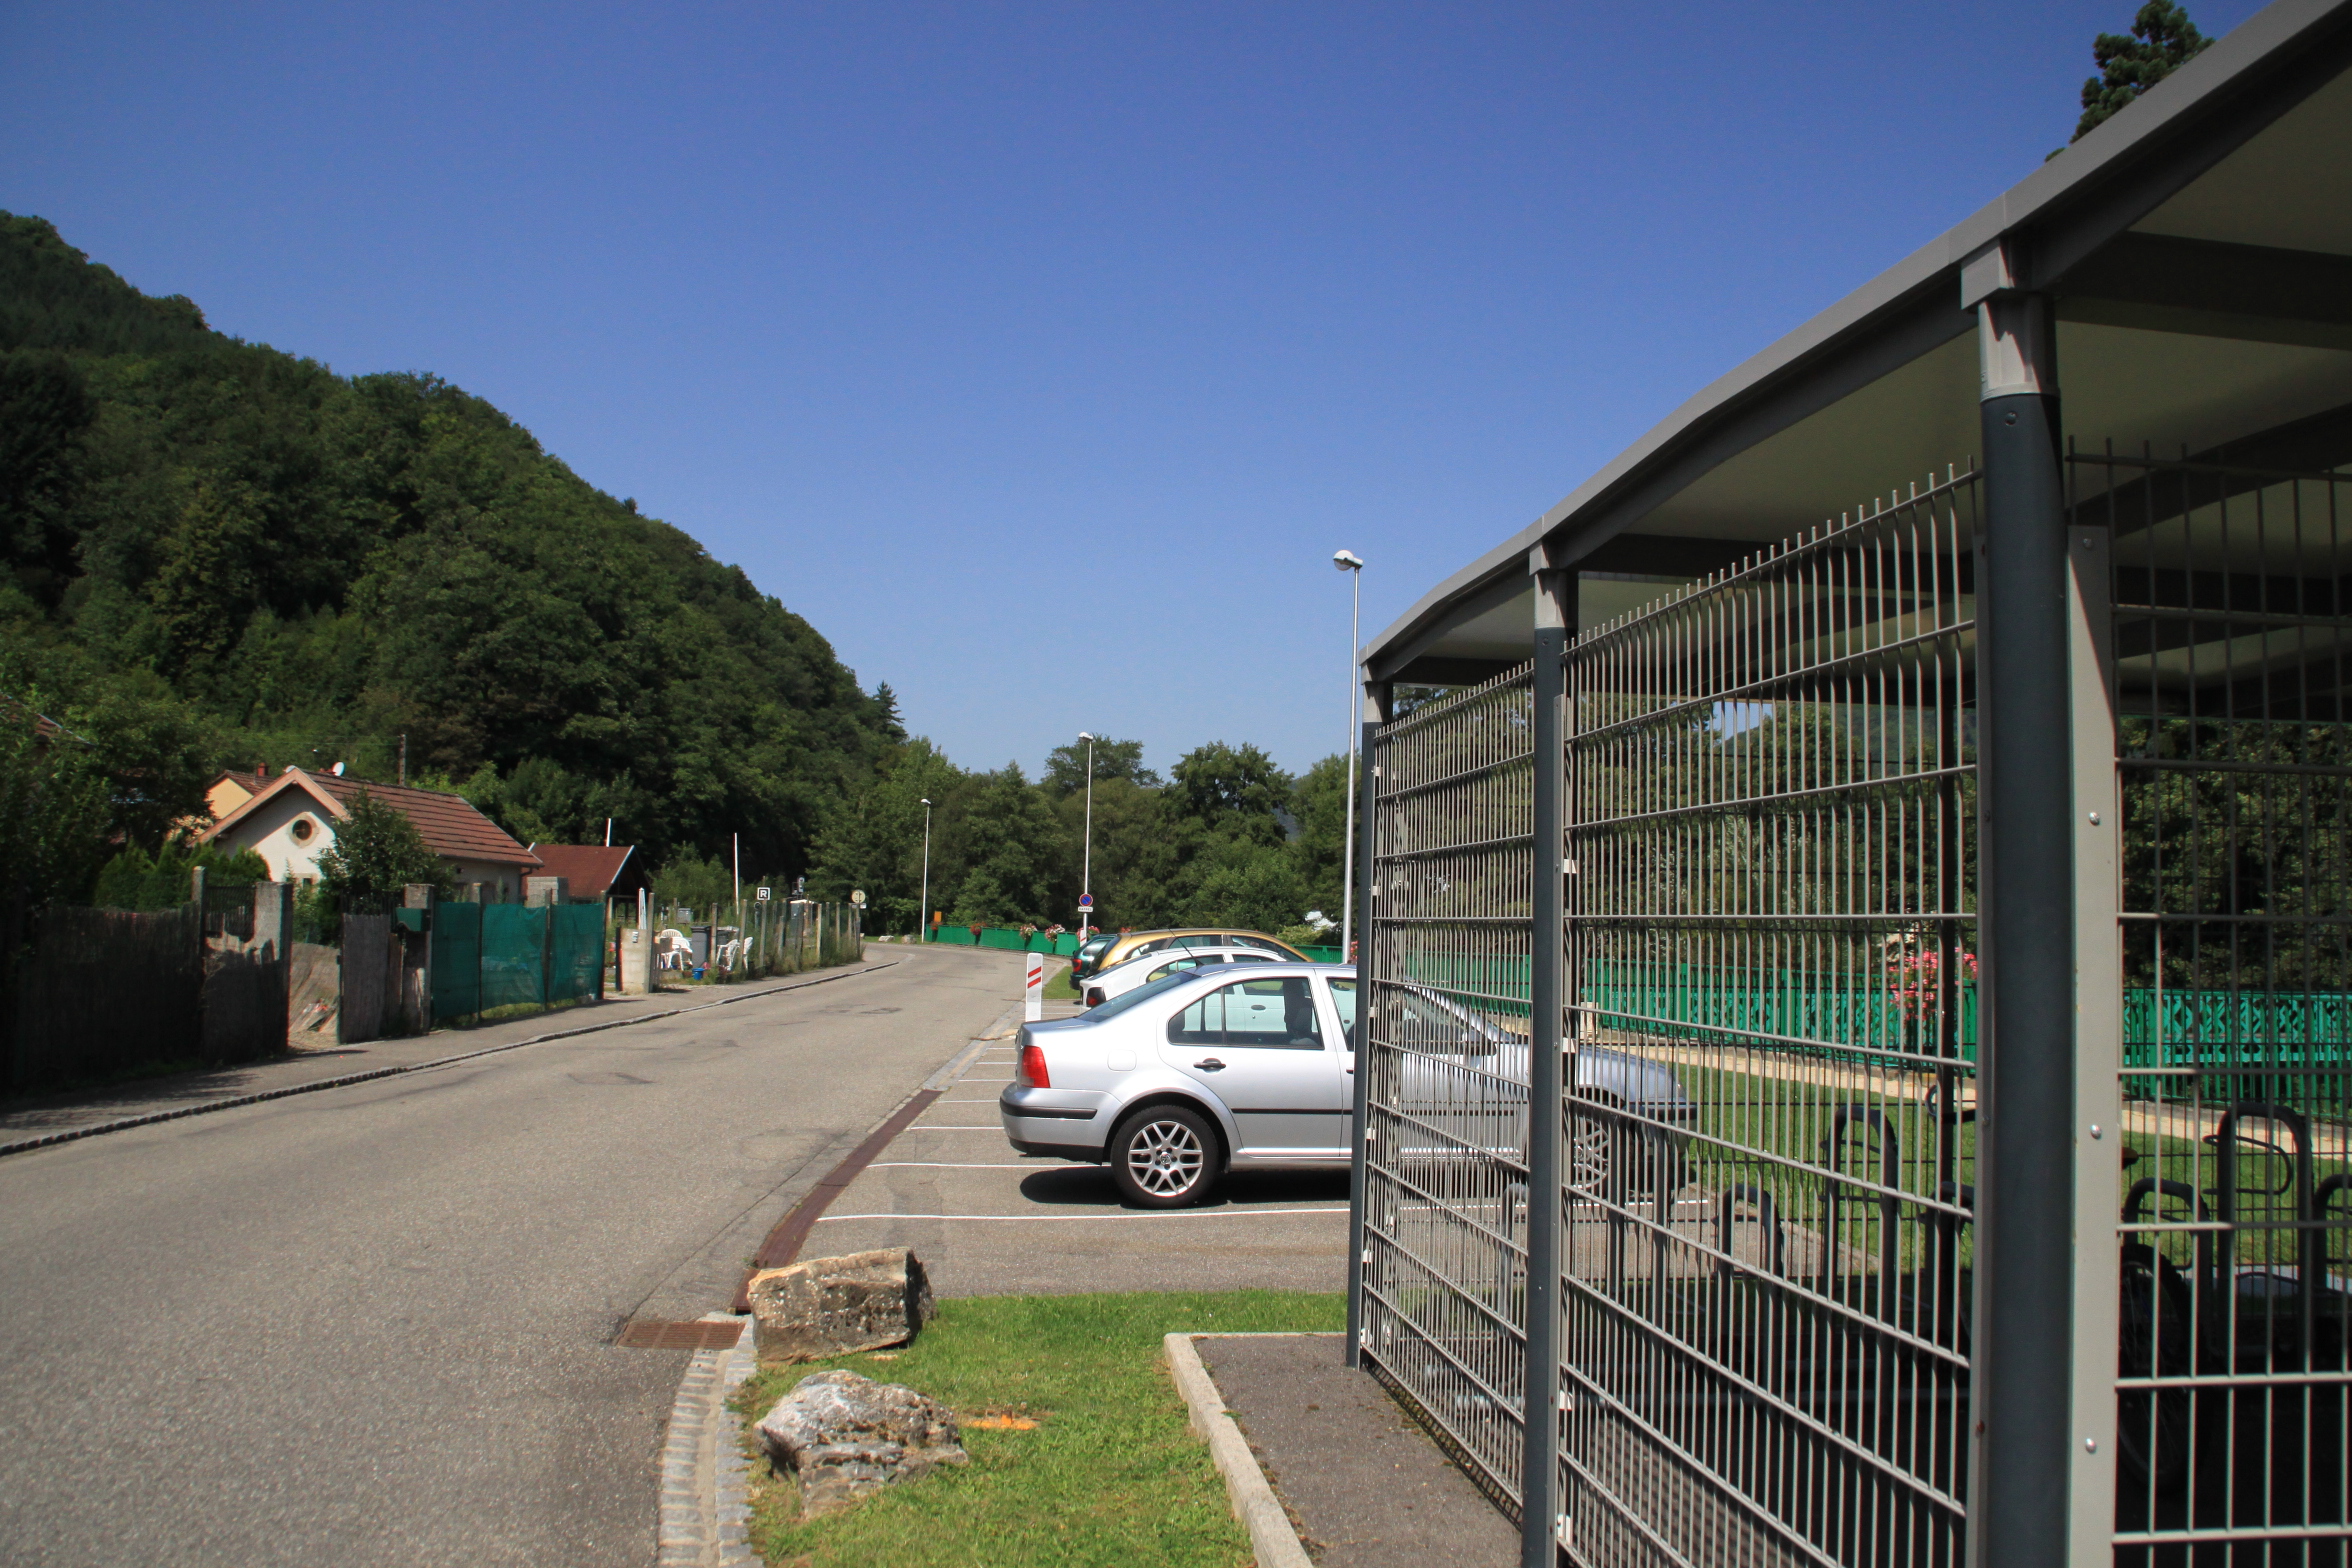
(1094, 996)
(1033, 1067)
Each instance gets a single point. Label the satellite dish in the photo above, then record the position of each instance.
(337, 770)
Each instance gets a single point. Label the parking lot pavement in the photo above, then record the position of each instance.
(988, 1221)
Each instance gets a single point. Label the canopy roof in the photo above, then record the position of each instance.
(2198, 246)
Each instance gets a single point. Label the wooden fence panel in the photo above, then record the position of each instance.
(370, 977)
(106, 990)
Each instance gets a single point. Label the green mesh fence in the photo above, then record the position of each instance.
(514, 955)
(1065, 945)
(575, 950)
(457, 961)
(1008, 938)
(487, 956)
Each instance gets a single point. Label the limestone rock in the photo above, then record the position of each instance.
(833, 1306)
(845, 1436)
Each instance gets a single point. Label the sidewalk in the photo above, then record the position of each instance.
(1364, 1486)
(32, 1118)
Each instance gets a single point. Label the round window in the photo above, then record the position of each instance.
(302, 829)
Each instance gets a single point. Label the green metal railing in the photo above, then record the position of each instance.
(2213, 1030)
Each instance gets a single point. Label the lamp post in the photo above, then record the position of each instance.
(923, 921)
(1352, 564)
(1086, 875)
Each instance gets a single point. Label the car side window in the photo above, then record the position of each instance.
(1207, 939)
(1173, 966)
(1251, 958)
(1270, 1014)
(1239, 940)
(1425, 1025)
(1343, 1002)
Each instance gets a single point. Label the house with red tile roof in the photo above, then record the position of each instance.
(291, 820)
(232, 789)
(606, 871)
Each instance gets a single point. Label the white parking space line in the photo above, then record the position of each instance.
(936, 1127)
(1166, 1214)
(953, 1165)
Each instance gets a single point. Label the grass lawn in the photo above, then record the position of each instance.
(1768, 1120)
(1058, 987)
(1110, 1474)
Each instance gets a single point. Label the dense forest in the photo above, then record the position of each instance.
(221, 555)
(1226, 839)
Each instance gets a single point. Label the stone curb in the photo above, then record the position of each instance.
(124, 1124)
(1275, 1543)
(705, 1474)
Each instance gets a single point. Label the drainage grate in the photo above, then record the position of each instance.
(654, 1334)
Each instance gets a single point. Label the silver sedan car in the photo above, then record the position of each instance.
(1251, 1067)
(1120, 979)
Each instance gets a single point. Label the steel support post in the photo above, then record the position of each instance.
(2022, 1375)
(1542, 1510)
(2098, 1048)
(1378, 696)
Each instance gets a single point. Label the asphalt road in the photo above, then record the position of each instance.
(373, 1325)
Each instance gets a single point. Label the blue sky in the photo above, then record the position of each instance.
(1041, 355)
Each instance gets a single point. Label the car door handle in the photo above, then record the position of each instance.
(1209, 1064)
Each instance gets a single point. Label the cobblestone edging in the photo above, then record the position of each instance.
(705, 1474)
(207, 1107)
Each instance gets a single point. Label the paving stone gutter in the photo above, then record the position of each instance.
(705, 1468)
(705, 1472)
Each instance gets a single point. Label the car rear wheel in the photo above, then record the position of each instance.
(1164, 1157)
(1612, 1161)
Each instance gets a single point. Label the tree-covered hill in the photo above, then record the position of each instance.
(220, 555)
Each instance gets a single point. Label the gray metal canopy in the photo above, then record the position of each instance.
(2198, 247)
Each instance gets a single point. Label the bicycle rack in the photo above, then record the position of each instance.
(1767, 1214)
(1890, 1207)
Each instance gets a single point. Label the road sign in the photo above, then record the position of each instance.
(1086, 901)
(763, 895)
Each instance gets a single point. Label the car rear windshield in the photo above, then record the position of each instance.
(1119, 1004)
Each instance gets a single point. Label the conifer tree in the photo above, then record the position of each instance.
(2162, 40)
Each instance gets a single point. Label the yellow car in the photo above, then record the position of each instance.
(1117, 948)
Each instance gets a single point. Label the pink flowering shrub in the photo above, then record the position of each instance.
(1914, 979)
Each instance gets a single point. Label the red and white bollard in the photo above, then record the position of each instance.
(1033, 998)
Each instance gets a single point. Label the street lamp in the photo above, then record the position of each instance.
(1086, 876)
(923, 921)
(1352, 564)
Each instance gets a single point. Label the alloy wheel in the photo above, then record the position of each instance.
(1165, 1157)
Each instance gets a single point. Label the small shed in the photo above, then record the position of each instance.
(606, 871)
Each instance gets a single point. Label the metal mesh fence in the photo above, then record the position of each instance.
(1771, 921)
(1771, 813)
(2232, 645)
(1445, 1188)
